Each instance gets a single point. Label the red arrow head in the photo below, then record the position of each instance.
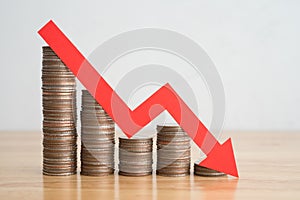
(221, 158)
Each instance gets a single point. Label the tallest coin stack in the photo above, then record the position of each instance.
(59, 111)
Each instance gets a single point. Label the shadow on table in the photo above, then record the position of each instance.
(147, 187)
(56, 187)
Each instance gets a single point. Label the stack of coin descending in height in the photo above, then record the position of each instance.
(203, 171)
(59, 111)
(97, 138)
(135, 156)
(173, 151)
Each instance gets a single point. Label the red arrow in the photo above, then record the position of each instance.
(219, 157)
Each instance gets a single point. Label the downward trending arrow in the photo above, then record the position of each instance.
(219, 157)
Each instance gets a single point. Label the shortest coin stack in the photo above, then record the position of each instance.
(173, 151)
(203, 171)
(135, 156)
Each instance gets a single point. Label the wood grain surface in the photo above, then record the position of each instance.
(268, 163)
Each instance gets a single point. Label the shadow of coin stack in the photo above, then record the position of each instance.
(173, 151)
(59, 112)
(97, 138)
(135, 156)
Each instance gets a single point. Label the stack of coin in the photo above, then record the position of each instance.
(135, 156)
(173, 151)
(203, 171)
(97, 138)
(59, 112)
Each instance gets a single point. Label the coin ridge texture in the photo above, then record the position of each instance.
(59, 116)
(135, 156)
(173, 151)
(97, 138)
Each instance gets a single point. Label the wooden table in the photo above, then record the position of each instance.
(268, 162)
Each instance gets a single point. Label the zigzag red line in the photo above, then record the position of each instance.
(219, 157)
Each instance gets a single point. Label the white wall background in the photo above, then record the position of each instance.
(254, 44)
